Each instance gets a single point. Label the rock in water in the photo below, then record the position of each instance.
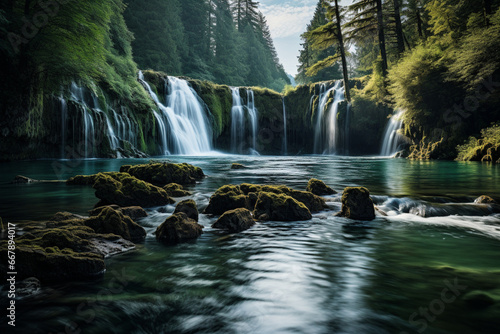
(238, 166)
(113, 221)
(23, 179)
(280, 207)
(357, 204)
(485, 200)
(164, 173)
(318, 187)
(228, 197)
(235, 220)
(134, 212)
(125, 190)
(189, 208)
(178, 228)
(176, 190)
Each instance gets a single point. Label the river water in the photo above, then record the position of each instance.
(415, 271)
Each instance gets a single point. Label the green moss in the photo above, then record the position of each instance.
(176, 190)
(178, 228)
(319, 188)
(271, 206)
(165, 173)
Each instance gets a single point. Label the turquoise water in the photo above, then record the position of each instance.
(327, 275)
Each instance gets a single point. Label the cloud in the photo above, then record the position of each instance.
(286, 19)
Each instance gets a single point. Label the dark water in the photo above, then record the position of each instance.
(327, 275)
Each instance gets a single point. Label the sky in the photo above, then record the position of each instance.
(287, 20)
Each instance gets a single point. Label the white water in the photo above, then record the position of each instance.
(182, 123)
(325, 132)
(64, 117)
(252, 113)
(238, 124)
(237, 121)
(285, 139)
(392, 137)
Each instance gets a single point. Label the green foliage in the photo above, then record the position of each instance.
(484, 149)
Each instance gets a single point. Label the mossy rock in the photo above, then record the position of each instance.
(113, 221)
(134, 212)
(178, 228)
(222, 202)
(319, 188)
(189, 208)
(479, 300)
(357, 204)
(485, 200)
(125, 190)
(238, 166)
(280, 207)
(230, 197)
(55, 265)
(89, 180)
(162, 174)
(235, 220)
(176, 190)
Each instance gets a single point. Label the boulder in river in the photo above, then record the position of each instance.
(235, 220)
(228, 197)
(280, 207)
(189, 208)
(134, 212)
(176, 190)
(485, 200)
(178, 228)
(238, 166)
(161, 174)
(318, 187)
(125, 190)
(113, 221)
(357, 204)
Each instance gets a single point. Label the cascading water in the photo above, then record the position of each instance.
(64, 117)
(392, 137)
(77, 94)
(325, 133)
(252, 113)
(183, 125)
(285, 140)
(237, 120)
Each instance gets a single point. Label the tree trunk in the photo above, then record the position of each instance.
(399, 28)
(342, 53)
(381, 37)
(419, 23)
(487, 11)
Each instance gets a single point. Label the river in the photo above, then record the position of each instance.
(414, 271)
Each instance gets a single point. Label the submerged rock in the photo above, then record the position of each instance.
(176, 190)
(478, 300)
(357, 204)
(319, 188)
(23, 179)
(189, 208)
(178, 228)
(485, 200)
(235, 220)
(125, 190)
(162, 174)
(280, 207)
(238, 166)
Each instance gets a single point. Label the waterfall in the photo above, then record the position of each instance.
(347, 126)
(77, 94)
(392, 137)
(64, 117)
(252, 113)
(285, 140)
(325, 135)
(237, 120)
(182, 122)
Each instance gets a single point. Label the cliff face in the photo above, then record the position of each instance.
(90, 122)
